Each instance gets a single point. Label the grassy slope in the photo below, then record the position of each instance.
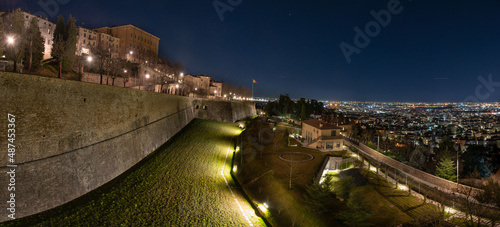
(179, 184)
(287, 207)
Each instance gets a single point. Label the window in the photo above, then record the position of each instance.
(131, 35)
(329, 145)
(338, 144)
(334, 133)
(84, 35)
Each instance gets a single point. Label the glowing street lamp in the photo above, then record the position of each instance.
(182, 74)
(176, 86)
(125, 71)
(196, 89)
(89, 59)
(147, 76)
(131, 52)
(10, 40)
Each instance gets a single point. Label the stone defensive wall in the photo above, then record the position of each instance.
(425, 178)
(72, 137)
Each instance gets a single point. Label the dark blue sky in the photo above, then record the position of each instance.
(430, 51)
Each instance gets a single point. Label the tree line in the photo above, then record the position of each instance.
(298, 110)
(24, 43)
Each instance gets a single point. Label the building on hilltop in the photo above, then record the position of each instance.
(197, 86)
(136, 45)
(215, 89)
(86, 39)
(321, 135)
(111, 43)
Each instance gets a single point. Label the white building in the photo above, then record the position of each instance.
(86, 38)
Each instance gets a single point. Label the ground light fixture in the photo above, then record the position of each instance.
(403, 187)
(262, 208)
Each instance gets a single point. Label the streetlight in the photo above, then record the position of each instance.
(142, 80)
(89, 59)
(125, 71)
(10, 40)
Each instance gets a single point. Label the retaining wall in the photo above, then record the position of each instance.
(72, 137)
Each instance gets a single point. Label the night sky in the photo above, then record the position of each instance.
(430, 51)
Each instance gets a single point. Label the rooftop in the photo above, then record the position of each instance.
(320, 124)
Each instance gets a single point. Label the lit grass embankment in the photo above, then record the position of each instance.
(180, 184)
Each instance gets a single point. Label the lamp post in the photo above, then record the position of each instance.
(142, 80)
(125, 80)
(10, 41)
(89, 60)
(130, 55)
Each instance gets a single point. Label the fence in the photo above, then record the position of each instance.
(422, 177)
(119, 81)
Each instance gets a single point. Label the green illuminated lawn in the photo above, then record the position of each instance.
(178, 185)
(410, 206)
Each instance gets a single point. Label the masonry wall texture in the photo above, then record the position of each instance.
(72, 137)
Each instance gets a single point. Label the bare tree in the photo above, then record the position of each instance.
(470, 206)
(102, 55)
(490, 195)
(291, 172)
(116, 68)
